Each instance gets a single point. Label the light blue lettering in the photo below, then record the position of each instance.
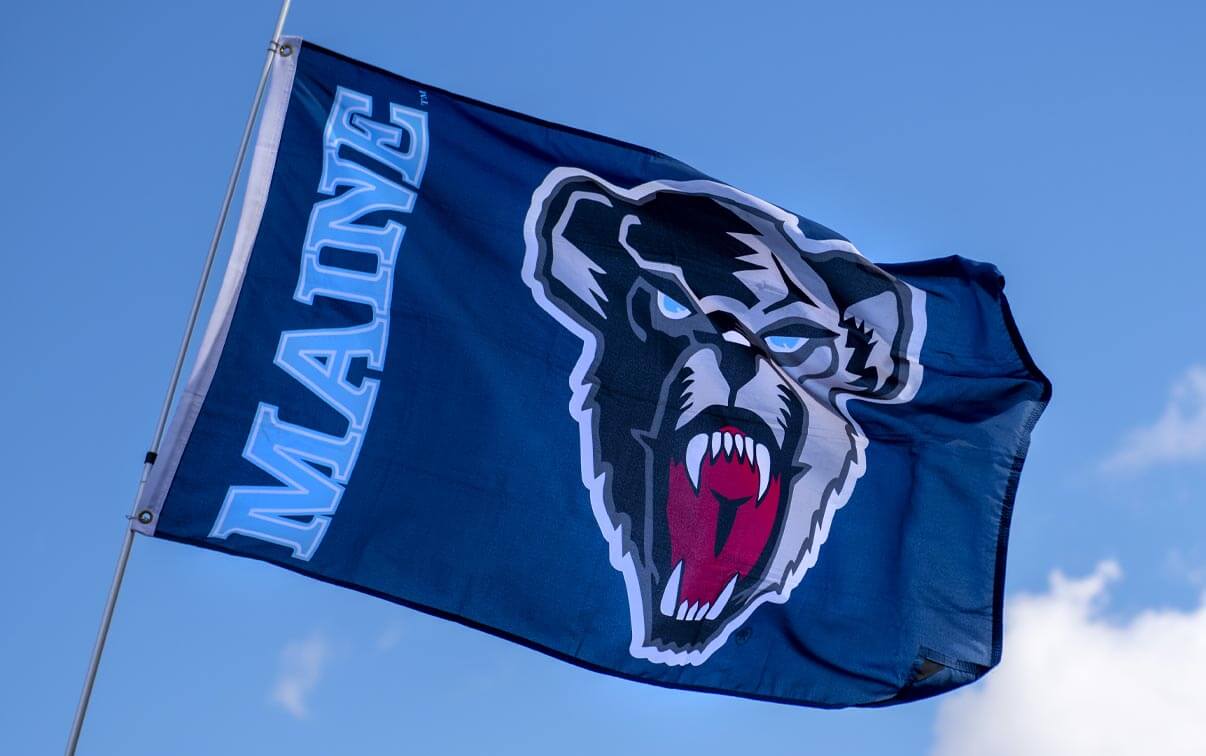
(349, 125)
(320, 361)
(297, 512)
(288, 453)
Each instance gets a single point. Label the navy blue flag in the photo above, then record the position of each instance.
(579, 395)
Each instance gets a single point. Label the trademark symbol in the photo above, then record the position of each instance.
(422, 97)
(742, 635)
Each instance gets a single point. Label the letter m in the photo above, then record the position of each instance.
(296, 513)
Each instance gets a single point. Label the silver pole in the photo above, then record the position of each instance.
(191, 325)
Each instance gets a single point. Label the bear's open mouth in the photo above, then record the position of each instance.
(722, 508)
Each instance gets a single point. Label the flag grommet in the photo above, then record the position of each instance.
(145, 517)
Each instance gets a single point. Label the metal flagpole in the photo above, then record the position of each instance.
(124, 557)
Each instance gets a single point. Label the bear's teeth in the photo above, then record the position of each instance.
(670, 595)
(716, 441)
(762, 457)
(723, 600)
(696, 450)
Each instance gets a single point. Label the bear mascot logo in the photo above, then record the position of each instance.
(721, 346)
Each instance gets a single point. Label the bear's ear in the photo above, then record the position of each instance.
(876, 318)
(580, 262)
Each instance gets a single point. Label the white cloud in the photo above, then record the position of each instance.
(301, 667)
(1179, 434)
(1074, 683)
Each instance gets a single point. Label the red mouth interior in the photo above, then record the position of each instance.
(728, 493)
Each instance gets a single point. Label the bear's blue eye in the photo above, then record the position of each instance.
(785, 343)
(671, 307)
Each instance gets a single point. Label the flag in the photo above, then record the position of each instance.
(577, 394)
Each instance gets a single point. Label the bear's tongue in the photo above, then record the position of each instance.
(717, 532)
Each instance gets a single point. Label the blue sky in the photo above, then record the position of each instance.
(1060, 141)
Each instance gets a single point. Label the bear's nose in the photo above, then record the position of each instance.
(735, 337)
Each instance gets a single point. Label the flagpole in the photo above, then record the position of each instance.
(191, 325)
